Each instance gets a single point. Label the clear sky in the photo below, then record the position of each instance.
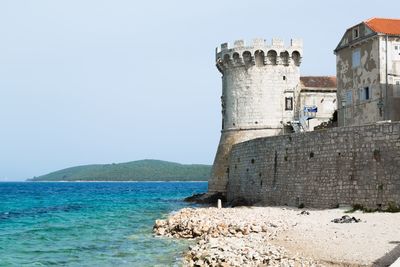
(98, 81)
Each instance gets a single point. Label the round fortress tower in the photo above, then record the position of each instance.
(260, 87)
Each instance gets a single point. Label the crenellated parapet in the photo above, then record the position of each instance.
(259, 53)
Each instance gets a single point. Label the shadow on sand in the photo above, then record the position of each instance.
(390, 257)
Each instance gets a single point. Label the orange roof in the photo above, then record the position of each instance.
(318, 81)
(382, 25)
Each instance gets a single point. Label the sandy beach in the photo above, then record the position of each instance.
(282, 236)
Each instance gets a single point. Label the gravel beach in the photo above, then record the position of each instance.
(282, 236)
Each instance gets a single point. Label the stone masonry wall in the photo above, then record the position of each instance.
(322, 169)
(218, 181)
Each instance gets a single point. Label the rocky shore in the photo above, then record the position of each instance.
(274, 236)
(225, 239)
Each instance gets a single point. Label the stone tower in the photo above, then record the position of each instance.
(260, 87)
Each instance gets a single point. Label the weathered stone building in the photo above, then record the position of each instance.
(268, 153)
(262, 96)
(368, 72)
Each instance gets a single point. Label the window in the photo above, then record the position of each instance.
(356, 33)
(396, 51)
(396, 89)
(349, 98)
(288, 103)
(365, 93)
(356, 58)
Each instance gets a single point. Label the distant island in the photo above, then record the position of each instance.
(141, 170)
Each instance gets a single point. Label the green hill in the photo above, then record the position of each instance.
(142, 170)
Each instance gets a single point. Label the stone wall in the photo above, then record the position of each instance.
(218, 180)
(323, 169)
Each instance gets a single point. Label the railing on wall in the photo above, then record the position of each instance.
(306, 114)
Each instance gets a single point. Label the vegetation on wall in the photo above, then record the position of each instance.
(329, 124)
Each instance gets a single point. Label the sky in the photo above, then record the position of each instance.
(104, 81)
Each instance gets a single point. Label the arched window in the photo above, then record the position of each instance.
(247, 57)
(259, 58)
(296, 58)
(236, 58)
(271, 57)
(285, 58)
(227, 58)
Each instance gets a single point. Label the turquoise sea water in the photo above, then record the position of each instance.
(89, 224)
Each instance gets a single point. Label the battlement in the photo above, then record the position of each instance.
(259, 53)
(257, 43)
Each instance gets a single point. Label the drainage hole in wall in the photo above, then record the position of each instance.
(377, 155)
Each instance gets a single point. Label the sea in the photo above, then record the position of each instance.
(90, 223)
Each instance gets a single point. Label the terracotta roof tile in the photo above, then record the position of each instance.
(318, 81)
(382, 25)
